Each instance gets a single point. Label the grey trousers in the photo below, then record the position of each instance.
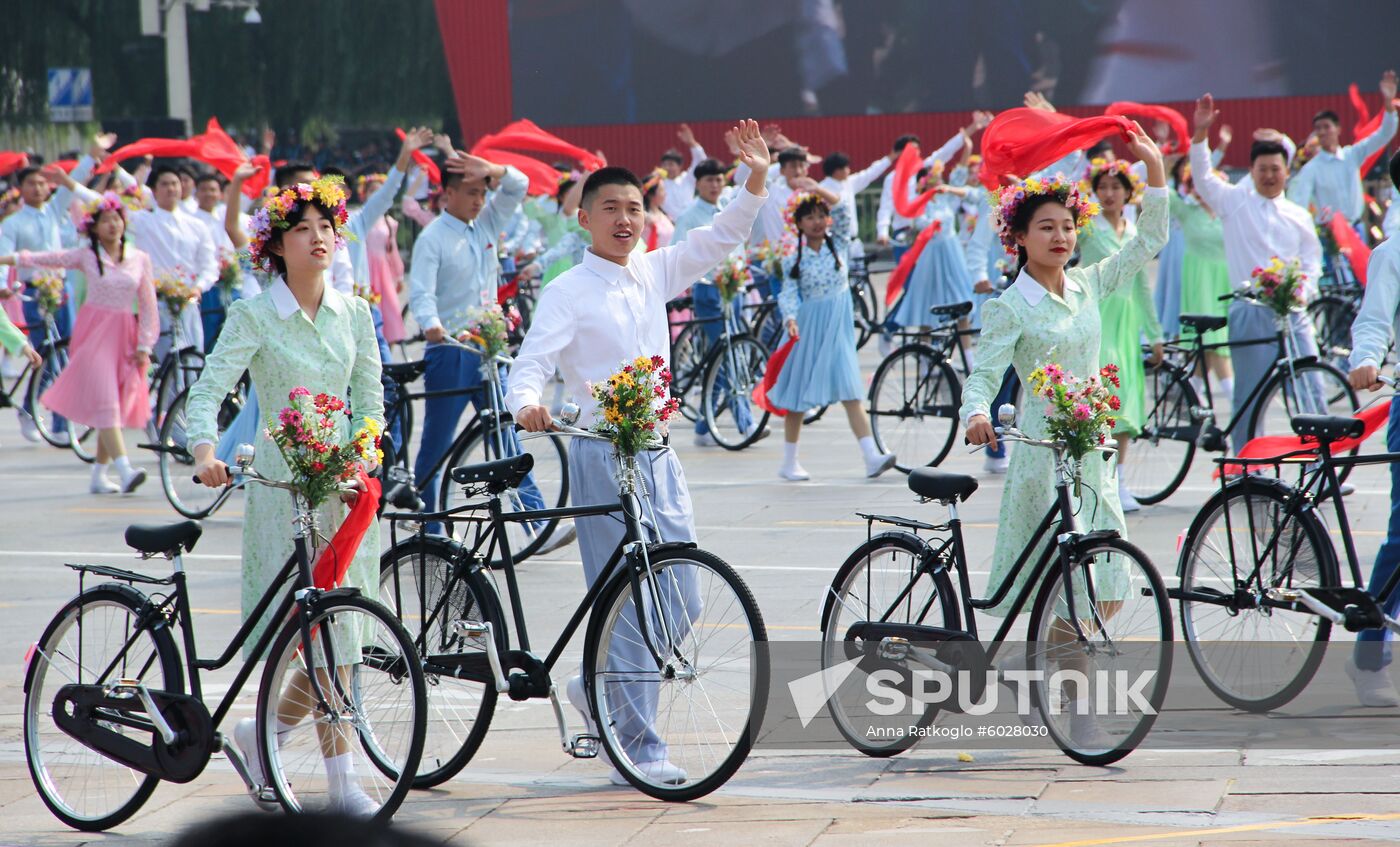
(1249, 321)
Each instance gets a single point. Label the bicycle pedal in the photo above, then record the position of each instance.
(470, 629)
(584, 746)
(1284, 595)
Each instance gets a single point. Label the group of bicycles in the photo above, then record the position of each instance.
(407, 676)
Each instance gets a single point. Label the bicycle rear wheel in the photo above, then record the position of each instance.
(45, 421)
(371, 722)
(83, 788)
(1254, 656)
(695, 711)
(415, 578)
(729, 383)
(688, 365)
(1331, 317)
(179, 371)
(914, 400)
(550, 477)
(1121, 605)
(1162, 452)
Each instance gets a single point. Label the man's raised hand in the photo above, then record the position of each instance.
(753, 150)
(472, 167)
(686, 136)
(1388, 86)
(1206, 113)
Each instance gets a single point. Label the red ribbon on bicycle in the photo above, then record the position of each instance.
(770, 379)
(907, 262)
(1357, 253)
(1268, 446)
(334, 561)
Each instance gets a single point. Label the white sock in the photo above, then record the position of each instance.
(99, 471)
(284, 729)
(1227, 388)
(122, 464)
(340, 772)
(868, 448)
(789, 454)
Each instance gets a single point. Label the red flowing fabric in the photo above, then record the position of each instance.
(770, 379)
(428, 165)
(507, 291)
(544, 179)
(906, 167)
(67, 165)
(908, 261)
(213, 147)
(164, 147)
(335, 559)
(1356, 251)
(1366, 123)
(1167, 114)
(1268, 446)
(525, 135)
(11, 161)
(1021, 141)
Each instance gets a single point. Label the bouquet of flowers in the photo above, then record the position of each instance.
(489, 328)
(1079, 412)
(1279, 285)
(176, 289)
(633, 406)
(731, 278)
(308, 434)
(50, 292)
(230, 277)
(769, 256)
(366, 293)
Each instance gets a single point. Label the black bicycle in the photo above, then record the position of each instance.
(1178, 421)
(1260, 578)
(688, 659)
(175, 455)
(1099, 607)
(82, 440)
(107, 715)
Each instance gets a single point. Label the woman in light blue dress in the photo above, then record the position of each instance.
(816, 305)
(940, 276)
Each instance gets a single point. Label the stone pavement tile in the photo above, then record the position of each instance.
(1320, 780)
(989, 784)
(577, 820)
(1039, 831)
(1310, 803)
(787, 832)
(1253, 840)
(719, 808)
(849, 771)
(889, 831)
(1166, 796)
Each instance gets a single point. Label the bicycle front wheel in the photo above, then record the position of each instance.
(357, 731)
(178, 372)
(1315, 389)
(1162, 452)
(1253, 654)
(1120, 603)
(914, 400)
(45, 421)
(688, 691)
(1331, 317)
(83, 788)
(732, 418)
(189, 498)
(417, 583)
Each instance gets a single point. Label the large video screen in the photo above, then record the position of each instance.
(625, 61)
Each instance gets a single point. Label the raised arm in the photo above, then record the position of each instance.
(859, 180)
(233, 222)
(1214, 190)
(1364, 147)
(73, 259)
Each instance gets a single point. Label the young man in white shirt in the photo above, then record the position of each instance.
(608, 309)
(839, 179)
(1260, 224)
(1331, 180)
(680, 181)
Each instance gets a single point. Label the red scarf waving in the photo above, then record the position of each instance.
(908, 261)
(335, 559)
(1366, 123)
(770, 379)
(421, 159)
(906, 167)
(1171, 117)
(1357, 253)
(1022, 141)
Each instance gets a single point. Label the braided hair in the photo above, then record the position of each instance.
(96, 250)
(810, 205)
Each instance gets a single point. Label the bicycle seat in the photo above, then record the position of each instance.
(952, 310)
(1204, 323)
(405, 372)
(497, 476)
(163, 537)
(941, 485)
(1327, 427)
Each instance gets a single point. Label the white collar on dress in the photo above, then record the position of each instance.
(609, 271)
(1033, 291)
(286, 302)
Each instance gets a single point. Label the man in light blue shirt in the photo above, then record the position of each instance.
(1371, 336)
(456, 270)
(1331, 180)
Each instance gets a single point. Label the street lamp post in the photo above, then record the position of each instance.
(168, 18)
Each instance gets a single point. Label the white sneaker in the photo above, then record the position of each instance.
(573, 691)
(132, 480)
(662, 771)
(563, 535)
(878, 464)
(795, 473)
(103, 485)
(1127, 500)
(28, 430)
(245, 735)
(1087, 736)
(1373, 688)
(886, 344)
(1348, 489)
(993, 464)
(705, 439)
(352, 801)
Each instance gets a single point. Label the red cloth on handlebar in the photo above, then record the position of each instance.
(335, 559)
(770, 379)
(908, 261)
(1267, 446)
(1022, 141)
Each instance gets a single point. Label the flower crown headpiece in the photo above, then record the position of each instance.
(87, 213)
(1011, 197)
(329, 191)
(653, 179)
(790, 211)
(366, 179)
(1099, 167)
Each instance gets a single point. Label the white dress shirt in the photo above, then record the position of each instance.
(596, 316)
(885, 216)
(1375, 326)
(176, 239)
(1332, 181)
(1257, 228)
(681, 190)
(852, 185)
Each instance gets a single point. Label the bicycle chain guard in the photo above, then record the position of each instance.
(82, 711)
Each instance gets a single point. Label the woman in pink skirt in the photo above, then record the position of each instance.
(385, 264)
(104, 383)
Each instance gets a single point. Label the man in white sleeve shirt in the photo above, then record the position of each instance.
(1331, 180)
(680, 180)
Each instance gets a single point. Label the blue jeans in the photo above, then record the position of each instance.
(39, 334)
(391, 388)
(707, 308)
(1009, 384)
(1373, 645)
(213, 313)
(450, 368)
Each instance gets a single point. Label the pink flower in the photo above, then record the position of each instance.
(299, 391)
(1082, 412)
